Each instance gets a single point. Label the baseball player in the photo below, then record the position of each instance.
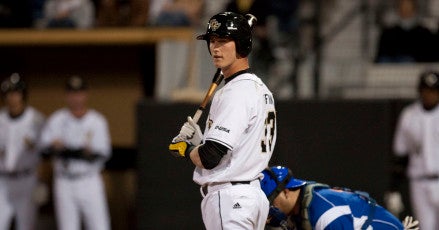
(240, 132)
(78, 139)
(416, 143)
(20, 126)
(299, 204)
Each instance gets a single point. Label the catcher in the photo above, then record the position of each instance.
(299, 204)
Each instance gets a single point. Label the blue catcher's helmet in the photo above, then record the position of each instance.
(276, 179)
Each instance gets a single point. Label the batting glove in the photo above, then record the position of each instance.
(181, 148)
(410, 223)
(191, 132)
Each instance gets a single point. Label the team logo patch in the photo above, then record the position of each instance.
(222, 129)
(209, 124)
(214, 24)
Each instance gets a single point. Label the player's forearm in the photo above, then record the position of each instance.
(195, 157)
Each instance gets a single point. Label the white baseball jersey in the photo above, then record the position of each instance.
(19, 158)
(18, 140)
(417, 134)
(90, 131)
(243, 118)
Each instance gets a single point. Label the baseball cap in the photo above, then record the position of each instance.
(13, 83)
(76, 83)
(429, 79)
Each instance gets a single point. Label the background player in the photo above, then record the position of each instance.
(416, 142)
(20, 127)
(240, 132)
(310, 205)
(79, 140)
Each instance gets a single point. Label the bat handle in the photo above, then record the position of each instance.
(197, 115)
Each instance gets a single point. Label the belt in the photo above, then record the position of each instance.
(72, 176)
(427, 177)
(15, 174)
(217, 186)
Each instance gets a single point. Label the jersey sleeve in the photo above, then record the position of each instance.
(101, 141)
(401, 139)
(50, 131)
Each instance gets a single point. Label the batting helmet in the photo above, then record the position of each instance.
(276, 179)
(233, 25)
(13, 83)
(429, 79)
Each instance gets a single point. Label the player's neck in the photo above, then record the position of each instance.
(79, 112)
(16, 110)
(239, 65)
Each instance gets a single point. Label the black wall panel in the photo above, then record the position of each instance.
(342, 143)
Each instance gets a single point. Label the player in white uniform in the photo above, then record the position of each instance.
(78, 139)
(20, 126)
(240, 132)
(417, 142)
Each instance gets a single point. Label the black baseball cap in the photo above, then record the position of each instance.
(76, 83)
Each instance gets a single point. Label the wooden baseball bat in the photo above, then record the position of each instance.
(217, 78)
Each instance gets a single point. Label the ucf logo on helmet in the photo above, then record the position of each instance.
(214, 24)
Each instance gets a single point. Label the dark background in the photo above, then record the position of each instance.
(343, 143)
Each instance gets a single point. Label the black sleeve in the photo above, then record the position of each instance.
(211, 154)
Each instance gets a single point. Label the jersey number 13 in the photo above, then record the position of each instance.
(270, 126)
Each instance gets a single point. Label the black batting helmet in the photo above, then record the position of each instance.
(429, 79)
(13, 83)
(233, 25)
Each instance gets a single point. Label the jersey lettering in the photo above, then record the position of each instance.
(270, 125)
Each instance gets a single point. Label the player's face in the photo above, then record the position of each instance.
(429, 97)
(223, 51)
(76, 99)
(285, 201)
(14, 101)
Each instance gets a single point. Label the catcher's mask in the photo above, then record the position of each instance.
(276, 179)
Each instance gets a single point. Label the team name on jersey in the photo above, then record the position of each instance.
(268, 99)
(222, 129)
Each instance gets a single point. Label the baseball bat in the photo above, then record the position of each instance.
(217, 78)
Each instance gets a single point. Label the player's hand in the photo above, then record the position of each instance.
(410, 223)
(181, 148)
(393, 202)
(197, 134)
(190, 131)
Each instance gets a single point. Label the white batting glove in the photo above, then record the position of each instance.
(393, 202)
(190, 131)
(197, 135)
(410, 223)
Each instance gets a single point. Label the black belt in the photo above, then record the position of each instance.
(72, 176)
(428, 177)
(15, 174)
(205, 187)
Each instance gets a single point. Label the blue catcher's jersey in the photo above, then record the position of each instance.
(339, 209)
